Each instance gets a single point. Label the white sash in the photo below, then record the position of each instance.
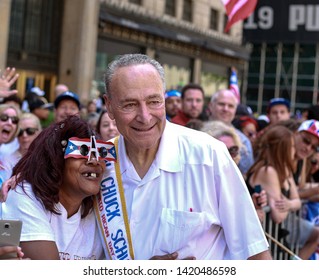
(111, 214)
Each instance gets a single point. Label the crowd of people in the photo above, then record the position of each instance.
(154, 173)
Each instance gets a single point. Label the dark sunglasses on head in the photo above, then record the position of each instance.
(14, 119)
(29, 130)
(233, 150)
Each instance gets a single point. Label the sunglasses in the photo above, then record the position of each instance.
(5, 118)
(233, 150)
(29, 131)
(314, 162)
(85, 148)
(308, 142)
(84, 151)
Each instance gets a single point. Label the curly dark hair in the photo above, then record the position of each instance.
(43, 164)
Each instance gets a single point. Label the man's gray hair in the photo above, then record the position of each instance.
(128, 60)
(217, 94)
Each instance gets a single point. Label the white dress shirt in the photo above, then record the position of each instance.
(193, 200)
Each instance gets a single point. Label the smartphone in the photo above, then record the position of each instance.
(257, 189)
(10, 232)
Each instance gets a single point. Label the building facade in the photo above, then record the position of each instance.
(285, 54)
(72, 41)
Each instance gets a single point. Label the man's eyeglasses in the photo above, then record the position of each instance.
(233, 150)
(29, 131)
(5, 118)
(308, 142)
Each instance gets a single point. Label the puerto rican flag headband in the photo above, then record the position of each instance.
(84, 147)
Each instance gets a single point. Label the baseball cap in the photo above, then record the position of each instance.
(37, 91)
(67, 95)
(39, 102)
(278, 101)
(310, 126)
(172, 93)
(243, 110)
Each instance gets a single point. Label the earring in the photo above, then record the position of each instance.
(63, 143)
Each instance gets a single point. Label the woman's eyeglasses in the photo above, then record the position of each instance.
(314, 162)
(29, 131)
(233, 150)
(88, 147)
(5, 118)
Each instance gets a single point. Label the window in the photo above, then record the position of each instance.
(170, 8)
(213, 19)
(187, 10)
(35, 29)
(137, 2)
(225, 23)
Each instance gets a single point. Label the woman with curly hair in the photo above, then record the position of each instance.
(56, 181)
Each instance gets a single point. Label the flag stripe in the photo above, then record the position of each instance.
(229, 5)
(238, 11)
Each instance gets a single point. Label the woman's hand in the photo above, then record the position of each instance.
(12, 249)
(283, 204)
(6, 187)
(7, 79)
(260, 200)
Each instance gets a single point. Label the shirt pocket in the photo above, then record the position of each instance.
(179, 231)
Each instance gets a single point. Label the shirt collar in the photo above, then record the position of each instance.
(168, 152)
(167, 155)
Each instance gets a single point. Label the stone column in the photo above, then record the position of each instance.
(78, 45)
(5, 9)
(197, 70)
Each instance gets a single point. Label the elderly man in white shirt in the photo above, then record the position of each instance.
(174, 193)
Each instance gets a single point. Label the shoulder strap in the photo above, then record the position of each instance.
(111, 213)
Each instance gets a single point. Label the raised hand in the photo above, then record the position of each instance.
(7, 79)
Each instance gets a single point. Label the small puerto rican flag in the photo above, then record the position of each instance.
(83, 147)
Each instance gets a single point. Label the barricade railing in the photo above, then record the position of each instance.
(283, 244)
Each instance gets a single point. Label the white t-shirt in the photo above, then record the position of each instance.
(75, 238)
(193, 200)
(9, 148)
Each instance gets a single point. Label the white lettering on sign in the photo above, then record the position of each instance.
(303, 15)
(265, 19)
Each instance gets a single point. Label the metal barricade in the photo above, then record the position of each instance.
(283, 238)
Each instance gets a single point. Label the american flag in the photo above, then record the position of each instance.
(233, 84)
(237, 10)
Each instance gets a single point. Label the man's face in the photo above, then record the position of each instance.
(66, 107)
(137, 104)
(278, 113)
(193, 103)
(173, 104)
(224, 107)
